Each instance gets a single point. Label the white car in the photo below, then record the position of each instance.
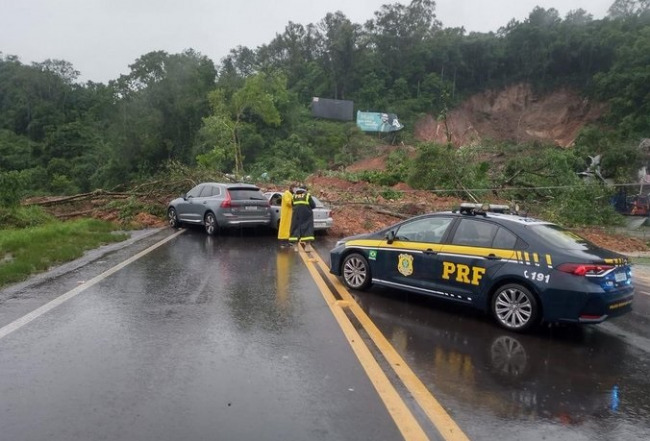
(322, 215)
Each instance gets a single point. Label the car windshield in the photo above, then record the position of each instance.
(429, 229)
(559, 237)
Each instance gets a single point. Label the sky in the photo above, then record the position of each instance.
(101, 38)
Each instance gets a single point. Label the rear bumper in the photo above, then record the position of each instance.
(238, 221)
(597, 307)
(322, 224)
(598, 310)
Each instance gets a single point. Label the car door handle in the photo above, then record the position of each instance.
(429, 251)
(492, 256)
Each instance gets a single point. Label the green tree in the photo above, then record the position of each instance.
(626, 86)
(340, 46)
(628, 8)
(295, 52)
(401, 35)
(15, 151)
(11, 188)
(529, 44)
(159, 111)
(259, 98)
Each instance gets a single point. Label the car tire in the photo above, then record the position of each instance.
(172, 218)
(210, 224)
(515, 307)
(356, 271)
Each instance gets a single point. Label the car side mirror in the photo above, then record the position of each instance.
(390, 236)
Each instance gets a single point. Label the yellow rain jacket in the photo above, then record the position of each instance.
(286, 210)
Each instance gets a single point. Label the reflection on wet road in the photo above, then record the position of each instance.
(228, 338)
(567, 383)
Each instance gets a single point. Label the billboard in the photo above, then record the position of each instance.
(332, 109)
(378, 122)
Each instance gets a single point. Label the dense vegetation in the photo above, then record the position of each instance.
(249, 115)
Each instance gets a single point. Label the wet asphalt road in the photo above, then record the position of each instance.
(228, 338)
(202, 339)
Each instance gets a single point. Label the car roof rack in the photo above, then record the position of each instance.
(482, 209)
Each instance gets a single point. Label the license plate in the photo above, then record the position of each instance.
(620, 277)
(250, 207)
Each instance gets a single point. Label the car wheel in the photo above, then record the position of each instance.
(172, 218)
(356, 272)
(515, 307)
(210, 223)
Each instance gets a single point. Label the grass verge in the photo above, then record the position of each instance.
(26, 251)
(642, 261)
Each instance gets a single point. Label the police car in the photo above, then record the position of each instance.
(523, 271)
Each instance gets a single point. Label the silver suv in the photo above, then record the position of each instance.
(216, 205)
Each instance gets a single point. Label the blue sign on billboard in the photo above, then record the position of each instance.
(378, 122)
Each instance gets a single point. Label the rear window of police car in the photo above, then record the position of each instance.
(558, 237)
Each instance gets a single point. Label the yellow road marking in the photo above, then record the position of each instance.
(404, 419)
(447, 427)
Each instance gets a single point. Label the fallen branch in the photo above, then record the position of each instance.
(469, 193)
(75, 214)
(82, 196)
(511, 179)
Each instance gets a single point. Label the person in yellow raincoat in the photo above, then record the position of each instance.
(286, 211)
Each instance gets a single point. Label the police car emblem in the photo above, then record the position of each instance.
(405, 264)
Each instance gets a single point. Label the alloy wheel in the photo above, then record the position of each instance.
(515, 307)
(356, 271)
(210, 224)
(172, 218)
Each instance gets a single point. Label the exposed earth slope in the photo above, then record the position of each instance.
(515, 114)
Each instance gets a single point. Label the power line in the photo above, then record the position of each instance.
(453, 190)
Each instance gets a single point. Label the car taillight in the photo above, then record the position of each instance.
(227, 203)
(584, 269)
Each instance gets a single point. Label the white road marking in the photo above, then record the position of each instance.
(19, 323)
